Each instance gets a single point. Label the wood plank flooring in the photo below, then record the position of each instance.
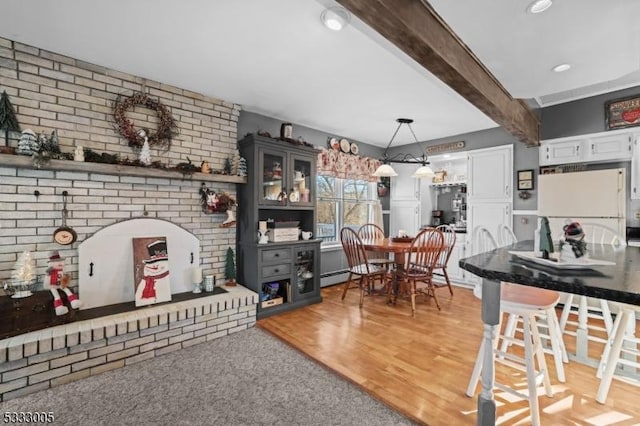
(420, 366)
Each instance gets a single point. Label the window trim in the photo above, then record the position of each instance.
(370, 199)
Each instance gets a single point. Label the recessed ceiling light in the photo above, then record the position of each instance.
(539, 6)
(335, 18)
(561, 67)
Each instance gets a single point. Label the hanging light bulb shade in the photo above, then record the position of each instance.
(423, 172)
(385, 170)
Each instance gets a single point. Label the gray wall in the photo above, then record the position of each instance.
(249, 122)
(579, 117)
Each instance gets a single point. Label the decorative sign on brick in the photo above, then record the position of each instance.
(444, 147)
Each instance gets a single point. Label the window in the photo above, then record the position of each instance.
(343, 202)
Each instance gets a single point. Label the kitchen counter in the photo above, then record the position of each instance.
(619, 283)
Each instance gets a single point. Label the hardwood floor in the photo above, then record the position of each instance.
(420, 366)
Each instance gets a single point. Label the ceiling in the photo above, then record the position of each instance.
(276, 58)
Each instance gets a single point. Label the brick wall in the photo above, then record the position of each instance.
(75, 98)
(54, 356)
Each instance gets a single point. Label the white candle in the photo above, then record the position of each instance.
(262, 225)
(196, 275)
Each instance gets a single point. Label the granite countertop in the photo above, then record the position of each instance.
(620, 283)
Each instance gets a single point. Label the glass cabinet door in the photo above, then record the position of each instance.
(272, 189)
(305, 271)
(302, 184)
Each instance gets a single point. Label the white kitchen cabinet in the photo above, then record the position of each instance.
(615, 145)
(490, 216)
(405, 187)
(405, 215)
(562, 152)
(611, 147)
(459, 252)
(635, 168)
(490, 174)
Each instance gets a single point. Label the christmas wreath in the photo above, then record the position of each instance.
(167, 127)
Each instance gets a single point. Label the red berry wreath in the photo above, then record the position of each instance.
(167, 127)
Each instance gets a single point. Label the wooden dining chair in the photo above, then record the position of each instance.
(424, 252)
(449, 235)
(358, 263)
(371, 231)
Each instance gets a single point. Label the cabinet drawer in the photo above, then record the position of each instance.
(276, 270)
(276, 255)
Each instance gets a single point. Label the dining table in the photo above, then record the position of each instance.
(617, 281)
(399, 247)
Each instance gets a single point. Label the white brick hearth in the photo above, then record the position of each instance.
(53, 356)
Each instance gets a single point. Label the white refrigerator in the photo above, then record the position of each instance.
(596, 196)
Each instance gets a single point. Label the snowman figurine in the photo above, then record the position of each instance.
(574, 248)
(155, 285)
(57, 280)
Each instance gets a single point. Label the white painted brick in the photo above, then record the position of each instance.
(50, 374)
(13, 365)
(47, 356)
(217, 335)
(9, 386)
(91, 362)
(122, 354)
(88, 346)
(153, 330)
(154, 345)
(180, 338)
(70, 359)
(123, 337)
(25, 391)
(139, 341)
(194, 341)
(24, 372)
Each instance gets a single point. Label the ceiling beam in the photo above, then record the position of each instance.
(416, 29)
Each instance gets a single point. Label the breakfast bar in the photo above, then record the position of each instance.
(618, 283)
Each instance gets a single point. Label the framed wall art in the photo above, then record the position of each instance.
(621, 113)
(525, 180)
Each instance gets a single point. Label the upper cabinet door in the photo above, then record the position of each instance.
(404, 187)
(272, 169)
(490, 174)
(301, 176)
(609, 147)
(571, 151)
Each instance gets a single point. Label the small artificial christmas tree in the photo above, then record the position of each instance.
(8, 120)
(546, 243)
(23, 274)
(230, 268)
(227, 166)
(242, 167)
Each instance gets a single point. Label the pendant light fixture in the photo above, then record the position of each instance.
(385, 170)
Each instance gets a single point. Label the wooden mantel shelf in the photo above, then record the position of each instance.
(24, 162)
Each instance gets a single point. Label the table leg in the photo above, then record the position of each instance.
(490, 319)
(399, 260)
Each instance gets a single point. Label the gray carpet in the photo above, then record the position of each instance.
(247, 378)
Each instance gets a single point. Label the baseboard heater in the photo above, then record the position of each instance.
(333, 277)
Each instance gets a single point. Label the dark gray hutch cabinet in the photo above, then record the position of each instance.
(285, 272)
